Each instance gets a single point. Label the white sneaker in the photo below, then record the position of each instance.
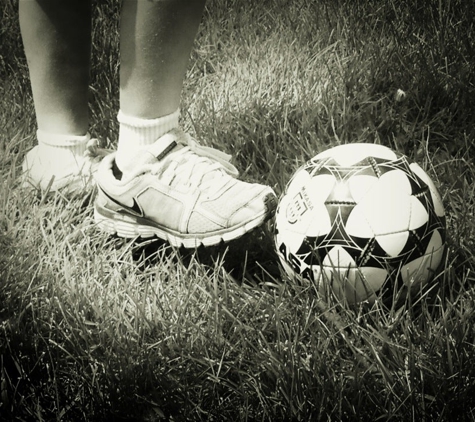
(180, 192)
(65, 171)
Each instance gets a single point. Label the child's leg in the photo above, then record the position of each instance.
(169, 186)
(156, 41)
(57, 40)
(57, 36)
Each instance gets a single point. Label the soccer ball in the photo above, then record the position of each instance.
(359, 220)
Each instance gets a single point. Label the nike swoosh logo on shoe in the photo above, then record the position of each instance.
(135, 210)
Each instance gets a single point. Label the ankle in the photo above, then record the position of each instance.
(136, 134)
(55, 143)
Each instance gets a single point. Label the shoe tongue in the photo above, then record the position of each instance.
(155, 152)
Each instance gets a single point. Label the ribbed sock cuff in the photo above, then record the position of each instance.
(77, 144)
(140, 132)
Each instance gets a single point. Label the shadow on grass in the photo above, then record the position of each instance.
(251, 258)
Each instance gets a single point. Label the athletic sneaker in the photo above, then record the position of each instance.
(181, 192)
(67, 172)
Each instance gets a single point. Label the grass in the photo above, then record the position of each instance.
(99, 328)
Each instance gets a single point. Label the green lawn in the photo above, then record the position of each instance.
(98, 328)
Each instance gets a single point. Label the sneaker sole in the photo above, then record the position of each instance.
(124, 226)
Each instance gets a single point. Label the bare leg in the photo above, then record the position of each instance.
(57, 40)
(156, 41)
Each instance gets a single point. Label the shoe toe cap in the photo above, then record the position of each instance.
(262, 205)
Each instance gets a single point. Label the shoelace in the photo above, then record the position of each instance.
(195, 167)
(94, 152)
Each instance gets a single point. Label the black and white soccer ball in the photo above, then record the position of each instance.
(360, 219)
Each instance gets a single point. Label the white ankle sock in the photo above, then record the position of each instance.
(136, 134)
(61, 147)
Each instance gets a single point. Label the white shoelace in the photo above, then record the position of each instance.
(195, 167)
(191, 166)
(94, 153)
